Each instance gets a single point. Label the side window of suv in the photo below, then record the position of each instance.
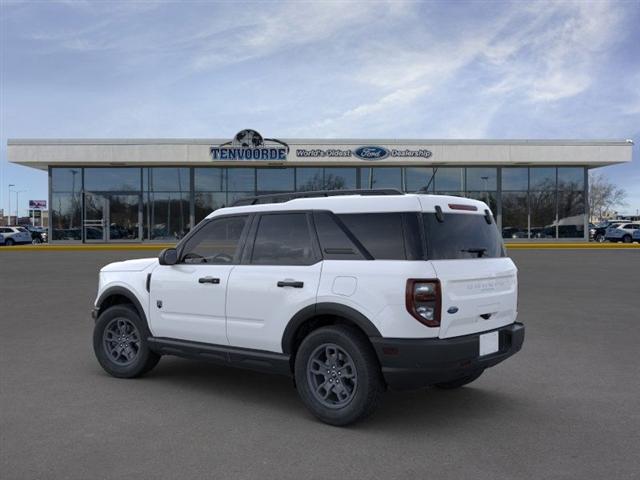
(217, 242)
(283, 239)
(383, 234)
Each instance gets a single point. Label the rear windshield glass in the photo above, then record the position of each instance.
(461, 235)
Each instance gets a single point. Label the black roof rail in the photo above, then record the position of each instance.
(286, 196)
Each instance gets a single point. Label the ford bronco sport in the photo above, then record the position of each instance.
(350, 293)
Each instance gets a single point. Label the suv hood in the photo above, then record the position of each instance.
(136, 265)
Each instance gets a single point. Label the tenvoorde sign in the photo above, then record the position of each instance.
(249, 145)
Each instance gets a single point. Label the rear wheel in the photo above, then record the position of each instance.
(626, 239)
(337, 375)
(120, 343)
(460, 382)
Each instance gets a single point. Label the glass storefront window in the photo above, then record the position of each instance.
(485, 179)
(241, 179)
(207, 202)
(112, 179)
(66, 179)
(542, 178)
(381, 177)
(449, 180)
(340, 179)
(570, 178)
(543, 214)
(515, 178)
(66, 216)
(417, 179)
(209, 179)
(515, 214)
(167, 215)
(166, 179)
(571, 211)
(271, 180)
(309, 179)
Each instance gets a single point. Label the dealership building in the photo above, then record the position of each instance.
(133, 190)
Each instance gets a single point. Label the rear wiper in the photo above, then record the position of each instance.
(479, 251)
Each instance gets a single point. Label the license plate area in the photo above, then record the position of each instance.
(489, 343)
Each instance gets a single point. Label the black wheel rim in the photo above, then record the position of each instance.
(332, 376)
(121, 341)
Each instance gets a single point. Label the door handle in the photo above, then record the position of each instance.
(290, 283)
(215, 281)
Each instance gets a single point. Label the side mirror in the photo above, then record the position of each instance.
(168, 256)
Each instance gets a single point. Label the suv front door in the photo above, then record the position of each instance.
(279, 275)
(187, 300)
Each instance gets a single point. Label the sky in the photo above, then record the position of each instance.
(375, 69)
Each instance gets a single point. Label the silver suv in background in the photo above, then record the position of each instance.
(622, 233)
(15, 235)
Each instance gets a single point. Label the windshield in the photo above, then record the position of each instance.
(462, 235)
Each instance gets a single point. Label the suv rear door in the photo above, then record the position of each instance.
(278, 276)
(478, 282)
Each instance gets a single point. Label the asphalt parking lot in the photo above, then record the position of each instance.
(567, 406)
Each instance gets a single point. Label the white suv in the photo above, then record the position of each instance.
(622, 232)
(347, 292)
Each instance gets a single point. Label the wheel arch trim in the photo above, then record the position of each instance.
(125, 292)
(325, 308)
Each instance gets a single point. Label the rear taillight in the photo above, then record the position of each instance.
(423, 301)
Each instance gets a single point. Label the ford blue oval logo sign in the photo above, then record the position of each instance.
(371, 153)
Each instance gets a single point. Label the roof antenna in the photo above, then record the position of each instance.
(435, 170)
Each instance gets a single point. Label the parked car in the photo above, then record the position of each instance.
(599, 232)
(348, 294)
(622, 232)
(15, 235)
(513, 232)
(38, 234)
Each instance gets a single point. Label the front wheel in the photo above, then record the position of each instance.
(337, 375)
(599, 238)
(460, 382)
(120, 343)
(36, 241)
(9, 242)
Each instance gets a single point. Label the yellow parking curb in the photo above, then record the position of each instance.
(582, 246)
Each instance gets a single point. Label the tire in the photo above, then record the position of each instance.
(131, 358)
(599, 238)
(36, 241)
(351, 362)
(626, 239)
(459, 382)
(9, 242)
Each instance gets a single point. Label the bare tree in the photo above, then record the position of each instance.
(604, 196)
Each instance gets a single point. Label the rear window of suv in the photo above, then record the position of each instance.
(460, 236)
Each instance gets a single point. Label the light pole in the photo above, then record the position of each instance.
(9, 211)
(18, 192)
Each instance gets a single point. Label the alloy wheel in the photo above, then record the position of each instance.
(332, 376)
(121, 341)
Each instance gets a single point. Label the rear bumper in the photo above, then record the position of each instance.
(415, 363)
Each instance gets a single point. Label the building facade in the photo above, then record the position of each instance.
(133, 190)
